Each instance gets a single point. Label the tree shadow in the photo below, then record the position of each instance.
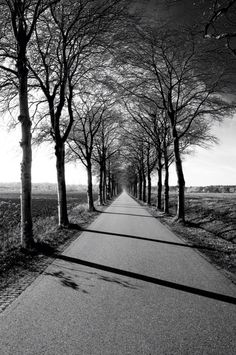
(219, 233)
(117, 281)
(69, 281)
(149, 279)
(128, 207)
(44, 248)
(66, 280)
(74, 226)
(160, 241)
(128, 214)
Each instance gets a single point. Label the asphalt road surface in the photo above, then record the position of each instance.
(127, 285)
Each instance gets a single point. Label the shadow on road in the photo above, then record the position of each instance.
(117, 281)
(65, 280)
(149, 279)
(128, 214)
(194, 246)
(128, 207)
(70, 280)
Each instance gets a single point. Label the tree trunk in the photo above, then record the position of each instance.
(104, 185)
(180, 215)
(144, 187)
(27, 240)
(149, 178)
(149, 194)
(118, 188)
(140, 185)
(91, 207)
(109, 181)
(109, 186)
(136, 187)
(61, 185)
(100, 189)
(166, 183)
(159, 185)
(113, 192)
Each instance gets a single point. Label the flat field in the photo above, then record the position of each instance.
(44, 211)
(212, 212)
(18, 267)
(210, 226)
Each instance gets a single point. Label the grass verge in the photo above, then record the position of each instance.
(17, 265)
(210, 227)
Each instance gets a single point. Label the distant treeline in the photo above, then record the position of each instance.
(205, 189)
(213, 188)
(39, 187)
(50, 187)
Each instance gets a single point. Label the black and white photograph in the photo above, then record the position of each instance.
(118, 177)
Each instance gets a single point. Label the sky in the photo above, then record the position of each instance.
(214, 166)
(217, 165)
(44, 163)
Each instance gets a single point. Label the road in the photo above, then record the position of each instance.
(127, 285)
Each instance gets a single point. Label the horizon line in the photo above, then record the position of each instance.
(82, 184)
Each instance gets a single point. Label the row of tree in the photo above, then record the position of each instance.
(123, 96)
(94, 141)
(47, 48)
(177, 84)
(173, 93)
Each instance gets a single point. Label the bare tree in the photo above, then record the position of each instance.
(89, 111)
(169, 66)
(18, 21)
(221, 22)
(106, 146)
(66, 53)
(114, 173)
(156, 128)
(130, 179)
(136, 157)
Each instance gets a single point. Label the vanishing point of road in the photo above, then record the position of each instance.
(127, 285)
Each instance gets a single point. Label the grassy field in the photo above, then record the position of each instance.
(212, 212)
(44, 210)
(210, 225)
(19, 267)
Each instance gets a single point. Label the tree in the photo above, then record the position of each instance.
(136, 157)
(221, 23)
(156, 128)
(60, 65)
(114, 173)
(89, 111)
(18, 21)
(170, 67)
(106, 146)
(130, 179)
